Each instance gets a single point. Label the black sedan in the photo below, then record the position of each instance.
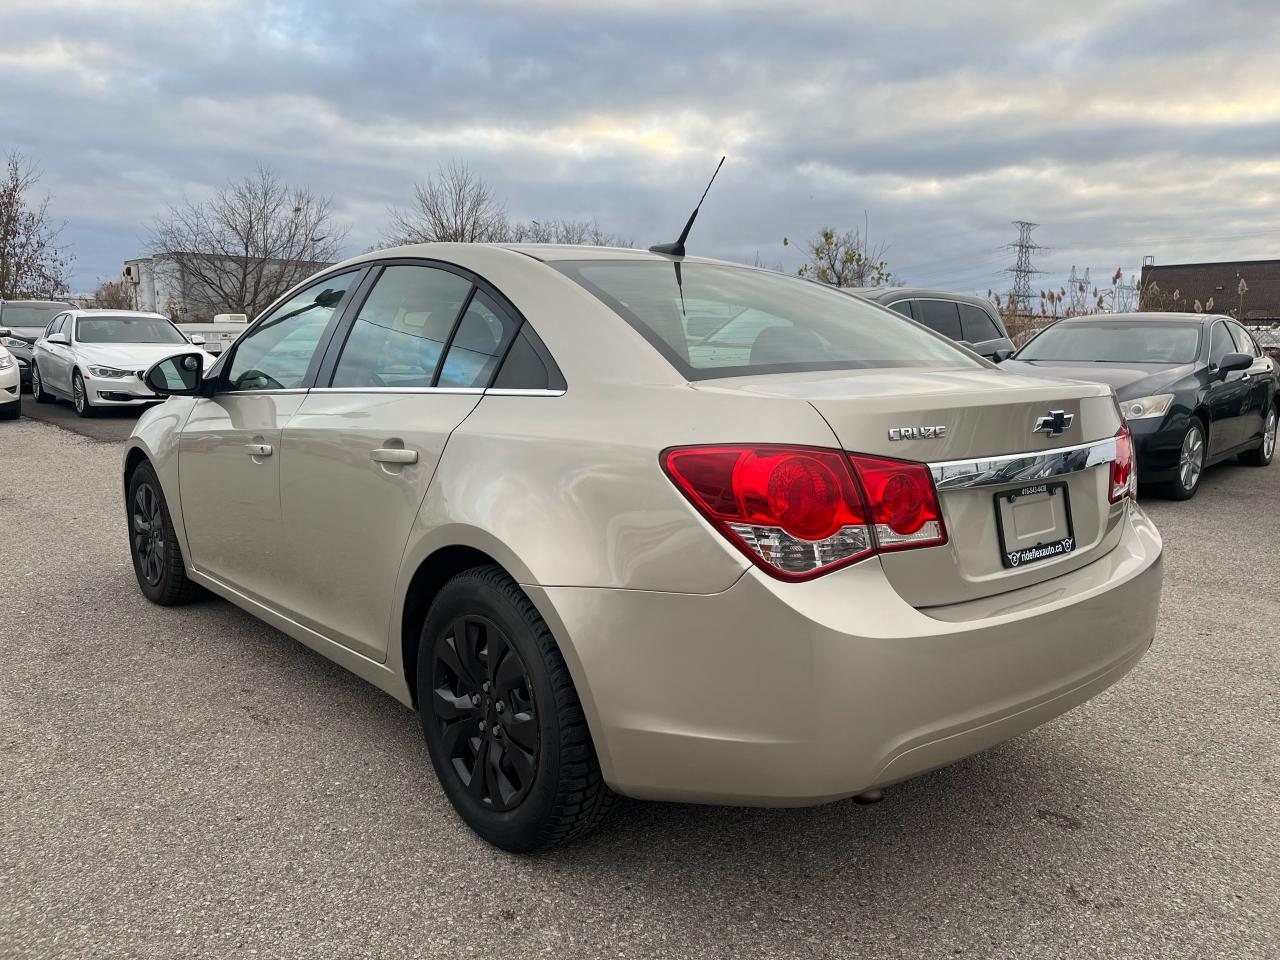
(1195, 389)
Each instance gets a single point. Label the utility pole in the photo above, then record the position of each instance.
(1022, 271)
(1078, 289)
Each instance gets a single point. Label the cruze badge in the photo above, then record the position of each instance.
(1055, 423)
(917, 433)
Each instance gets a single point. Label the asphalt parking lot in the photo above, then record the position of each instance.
(189, 782)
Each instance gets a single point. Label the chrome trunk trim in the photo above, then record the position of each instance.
(1021, 467)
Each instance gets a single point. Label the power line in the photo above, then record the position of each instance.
(1022, 271)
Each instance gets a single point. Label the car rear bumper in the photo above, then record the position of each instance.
(781, 694)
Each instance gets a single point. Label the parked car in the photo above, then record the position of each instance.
(1195, 389)
(10, 386)
(96, 358)
(22, 323)
(504, 485)
(972, 321)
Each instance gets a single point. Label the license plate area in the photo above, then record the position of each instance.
(1034, 523)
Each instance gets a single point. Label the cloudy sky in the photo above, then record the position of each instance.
(1124, 128)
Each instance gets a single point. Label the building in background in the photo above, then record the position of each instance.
(1180, 286)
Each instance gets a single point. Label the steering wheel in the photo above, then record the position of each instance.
(271, 382)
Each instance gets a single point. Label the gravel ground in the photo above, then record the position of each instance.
(191, 783)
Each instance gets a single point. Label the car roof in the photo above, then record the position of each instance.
(36, 303)
(469, 254)
(104, 312)
(1164, 317)
(885, 294)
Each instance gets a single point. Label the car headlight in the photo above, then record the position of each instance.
(13, 342)
(6, 359)
(109, 373)
(1144, 408)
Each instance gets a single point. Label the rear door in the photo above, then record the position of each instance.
(981, 330)
(411, 364)
(940, 316)
(1228, 394)
(229, 448)
(1260, 380)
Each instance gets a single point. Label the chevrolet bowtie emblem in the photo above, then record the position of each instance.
(1055, 423)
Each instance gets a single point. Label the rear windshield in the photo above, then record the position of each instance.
(712, 320)
(1115, 341)
(127, 330)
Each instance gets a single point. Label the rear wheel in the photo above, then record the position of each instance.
(1190, 464)
(157, 558)
(80, 397)
(503, 722)
(38, 393)
(1261, 455)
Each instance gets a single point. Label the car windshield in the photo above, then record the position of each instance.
(127, 330)
(29, 315)
(1114, 341)
(711, 320)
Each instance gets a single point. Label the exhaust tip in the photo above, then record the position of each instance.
(869, 797)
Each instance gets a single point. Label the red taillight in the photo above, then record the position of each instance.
(1124, 475)
(802, 511)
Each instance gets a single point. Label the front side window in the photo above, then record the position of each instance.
(977, 325)
(941, 316)
(1220, 343)
(402, 328)
(127, 330)
(276, 354)
(1116, 341)
(483, 335)
(765, 322)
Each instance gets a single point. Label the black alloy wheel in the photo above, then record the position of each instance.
(482, 700)
(157, 558)
(503, 723)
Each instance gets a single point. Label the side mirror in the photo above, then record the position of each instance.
(1002, 354)
(58, 338)
(180, 375)
(1235, 361)
(196, 340)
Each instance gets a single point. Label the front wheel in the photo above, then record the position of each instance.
(38, 393)
(157, 558)
(1190, 464)
(503, 722)
(79, 397)
(1261, 455)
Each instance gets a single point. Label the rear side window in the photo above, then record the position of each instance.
(940, 316)
(483, 335)
(977, 325)
(712, 320)
(402, 328)
(1244, 339)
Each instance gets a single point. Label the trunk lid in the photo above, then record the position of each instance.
(968, 415)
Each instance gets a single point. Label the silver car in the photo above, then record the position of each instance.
(616, 522)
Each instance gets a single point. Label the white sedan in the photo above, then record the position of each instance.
(96, 358)
(10, 386)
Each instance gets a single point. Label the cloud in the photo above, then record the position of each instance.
(1124, 128)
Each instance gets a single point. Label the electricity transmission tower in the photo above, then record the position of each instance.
(1125, 299)
(1078, 290)
(1022, 271)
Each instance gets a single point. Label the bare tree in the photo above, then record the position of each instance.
(249, 243)
(844, 260)
(454, 205)
(555, 230)
(115, 295)
(33, 263)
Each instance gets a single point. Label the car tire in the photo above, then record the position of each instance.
(1261, 455)
(520, 791)
(38, 393)
(1191, 458)
(11, 411)
(80, 397)
(153, 544)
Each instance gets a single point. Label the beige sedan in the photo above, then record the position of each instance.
(617, 522)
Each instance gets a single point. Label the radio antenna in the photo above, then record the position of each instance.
(677, 249)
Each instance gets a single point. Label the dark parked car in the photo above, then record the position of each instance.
(965, 319)
(24, 321)
(1195, 389)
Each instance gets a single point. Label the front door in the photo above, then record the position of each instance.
(55, 359)
(1228, 394)
(361, 452)
(229, 449)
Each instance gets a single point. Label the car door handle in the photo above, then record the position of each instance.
(258, 449)
(394, 455)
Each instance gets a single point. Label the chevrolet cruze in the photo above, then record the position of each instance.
(620, 522)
